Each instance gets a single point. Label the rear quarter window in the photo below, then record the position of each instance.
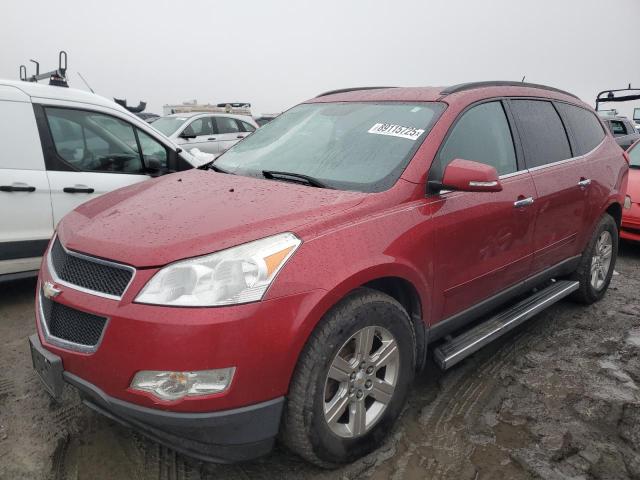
(586, 129)
(544, 138)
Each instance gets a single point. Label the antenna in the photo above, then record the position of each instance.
(523, 77)
(85, 82)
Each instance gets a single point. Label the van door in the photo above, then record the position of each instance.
(483, 241)
(561, 182)
(87, 154)
(26, 223)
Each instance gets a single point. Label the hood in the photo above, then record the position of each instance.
(194, 213)
(633, 185)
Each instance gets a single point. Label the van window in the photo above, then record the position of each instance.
(154, 153)
(544, 138)
(587, 130)
(483, 135)
(90, 141)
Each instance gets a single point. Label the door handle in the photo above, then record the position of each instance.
(524, 202)
(584, 182)
(17, 188)
(240, 136)
(78, 190)
(211, 138)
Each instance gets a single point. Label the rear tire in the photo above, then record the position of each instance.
(343, 402)
(597, 263)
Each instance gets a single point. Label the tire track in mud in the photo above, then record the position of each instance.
(463, 393)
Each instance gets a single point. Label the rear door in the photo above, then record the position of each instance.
(26, 222)
(561, 181)
(483, 241)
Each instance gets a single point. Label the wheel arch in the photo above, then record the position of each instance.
(615, 210)
(396, 280)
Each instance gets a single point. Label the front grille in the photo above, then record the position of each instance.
(88, 273)
(71, 325)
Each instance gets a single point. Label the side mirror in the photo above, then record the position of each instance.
(469, 176)
(187, 133)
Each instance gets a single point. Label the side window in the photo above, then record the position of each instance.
(200, 126)
(617, 128)
(227, 125)
(544, 138)
(153, 152)
(483, 135)
(584, 125)
(94, 142)
(246, 127)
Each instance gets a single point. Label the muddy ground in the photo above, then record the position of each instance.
(557, 398)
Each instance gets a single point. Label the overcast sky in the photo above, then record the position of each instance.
(275, 54)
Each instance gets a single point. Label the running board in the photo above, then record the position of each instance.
(460, 347)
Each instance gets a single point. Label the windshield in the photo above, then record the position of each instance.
(634, 156)
(349, 146)
(169, 125)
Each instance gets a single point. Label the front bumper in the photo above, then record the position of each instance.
(222, 436)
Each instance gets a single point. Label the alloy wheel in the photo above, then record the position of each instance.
(601, 260)
(361, 382)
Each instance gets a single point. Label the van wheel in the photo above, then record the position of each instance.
(351, 381)
(598, 261)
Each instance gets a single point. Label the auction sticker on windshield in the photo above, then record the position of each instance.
(410, 133)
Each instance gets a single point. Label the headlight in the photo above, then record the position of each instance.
(627, 202)
(176, 385)
(237, 275)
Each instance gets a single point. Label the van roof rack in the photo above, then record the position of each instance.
(461, 87)
(56, 78)
(611, 96)
(352, 89)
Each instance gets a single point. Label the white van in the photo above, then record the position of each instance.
(60, 148)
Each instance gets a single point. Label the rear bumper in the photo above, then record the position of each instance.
(223, 437)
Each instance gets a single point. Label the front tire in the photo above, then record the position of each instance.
(598, 262)
(351, 381)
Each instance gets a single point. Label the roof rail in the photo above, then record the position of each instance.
(352, 89)
(500, 83)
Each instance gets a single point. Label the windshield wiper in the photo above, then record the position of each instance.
(294, 177)
(216, 168)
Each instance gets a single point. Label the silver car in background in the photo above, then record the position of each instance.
(208, 132)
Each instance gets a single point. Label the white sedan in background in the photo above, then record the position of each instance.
(208, 132)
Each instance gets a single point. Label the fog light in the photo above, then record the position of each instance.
(176, 385)
(627, 202)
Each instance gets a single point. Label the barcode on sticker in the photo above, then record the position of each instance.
(410, 133)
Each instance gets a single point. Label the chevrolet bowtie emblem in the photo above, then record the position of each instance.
(50, 290)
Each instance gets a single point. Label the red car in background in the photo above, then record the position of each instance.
(291, 291)
(630, 229)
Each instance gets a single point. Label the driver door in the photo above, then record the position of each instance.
(87, 154)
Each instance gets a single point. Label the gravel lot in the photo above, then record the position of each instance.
(557, 398)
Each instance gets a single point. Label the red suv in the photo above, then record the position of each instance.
(292, 289)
